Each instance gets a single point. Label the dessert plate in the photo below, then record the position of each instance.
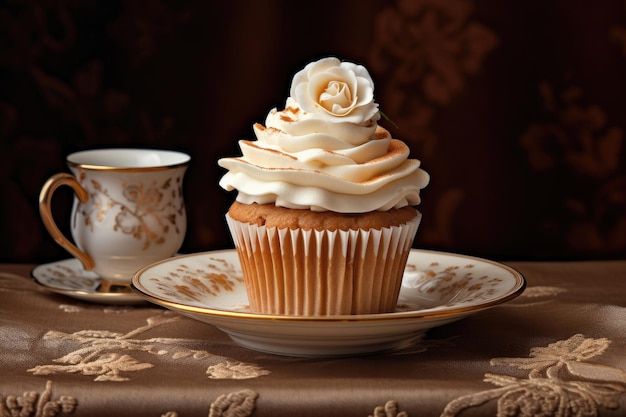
(68, 277)
(438, 288)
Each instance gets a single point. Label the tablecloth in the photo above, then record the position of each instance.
(559, 349)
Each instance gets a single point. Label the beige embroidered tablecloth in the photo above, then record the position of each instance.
(557, 350)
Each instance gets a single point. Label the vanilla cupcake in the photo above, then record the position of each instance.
(324, 218)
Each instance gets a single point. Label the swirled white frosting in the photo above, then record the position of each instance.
(331, 156)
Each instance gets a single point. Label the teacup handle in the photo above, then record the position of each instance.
(45, 199)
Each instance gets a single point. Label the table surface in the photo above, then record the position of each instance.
(558, 349)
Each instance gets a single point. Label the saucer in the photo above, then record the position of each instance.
(438, 288)
(68, 277)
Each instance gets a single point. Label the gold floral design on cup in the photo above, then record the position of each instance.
(145, 213)
(128, 209)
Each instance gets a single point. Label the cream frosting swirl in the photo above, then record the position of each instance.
(325, 150)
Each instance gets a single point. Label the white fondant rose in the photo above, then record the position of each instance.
(336, 91)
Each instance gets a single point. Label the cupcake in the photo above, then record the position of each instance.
(325, 215)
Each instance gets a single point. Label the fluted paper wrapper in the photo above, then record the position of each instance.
(322, 273)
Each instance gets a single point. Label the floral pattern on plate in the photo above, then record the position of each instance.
(438, 288)
(68, 277)
(447, 285)
(192, 284)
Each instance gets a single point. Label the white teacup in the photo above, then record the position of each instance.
(128, 209)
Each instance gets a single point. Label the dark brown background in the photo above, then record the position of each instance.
(517, 109)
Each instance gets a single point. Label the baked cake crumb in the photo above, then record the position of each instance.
(281, 217)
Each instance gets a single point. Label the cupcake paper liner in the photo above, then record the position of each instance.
(321, 273)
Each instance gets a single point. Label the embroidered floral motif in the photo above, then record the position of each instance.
(537, 295)
(560, 383)
(33, 404)
(542, 291)
(66, 308)
(389, 410)
(145, 214)
(236, 404)
(70, 308)
(235, 370)
(116, 309)
(101, 354)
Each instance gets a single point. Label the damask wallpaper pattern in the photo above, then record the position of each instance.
(515, 108)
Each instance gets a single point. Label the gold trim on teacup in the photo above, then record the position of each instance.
(149, 168)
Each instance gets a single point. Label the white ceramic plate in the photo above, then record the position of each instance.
(68, 277)
(438, 288)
